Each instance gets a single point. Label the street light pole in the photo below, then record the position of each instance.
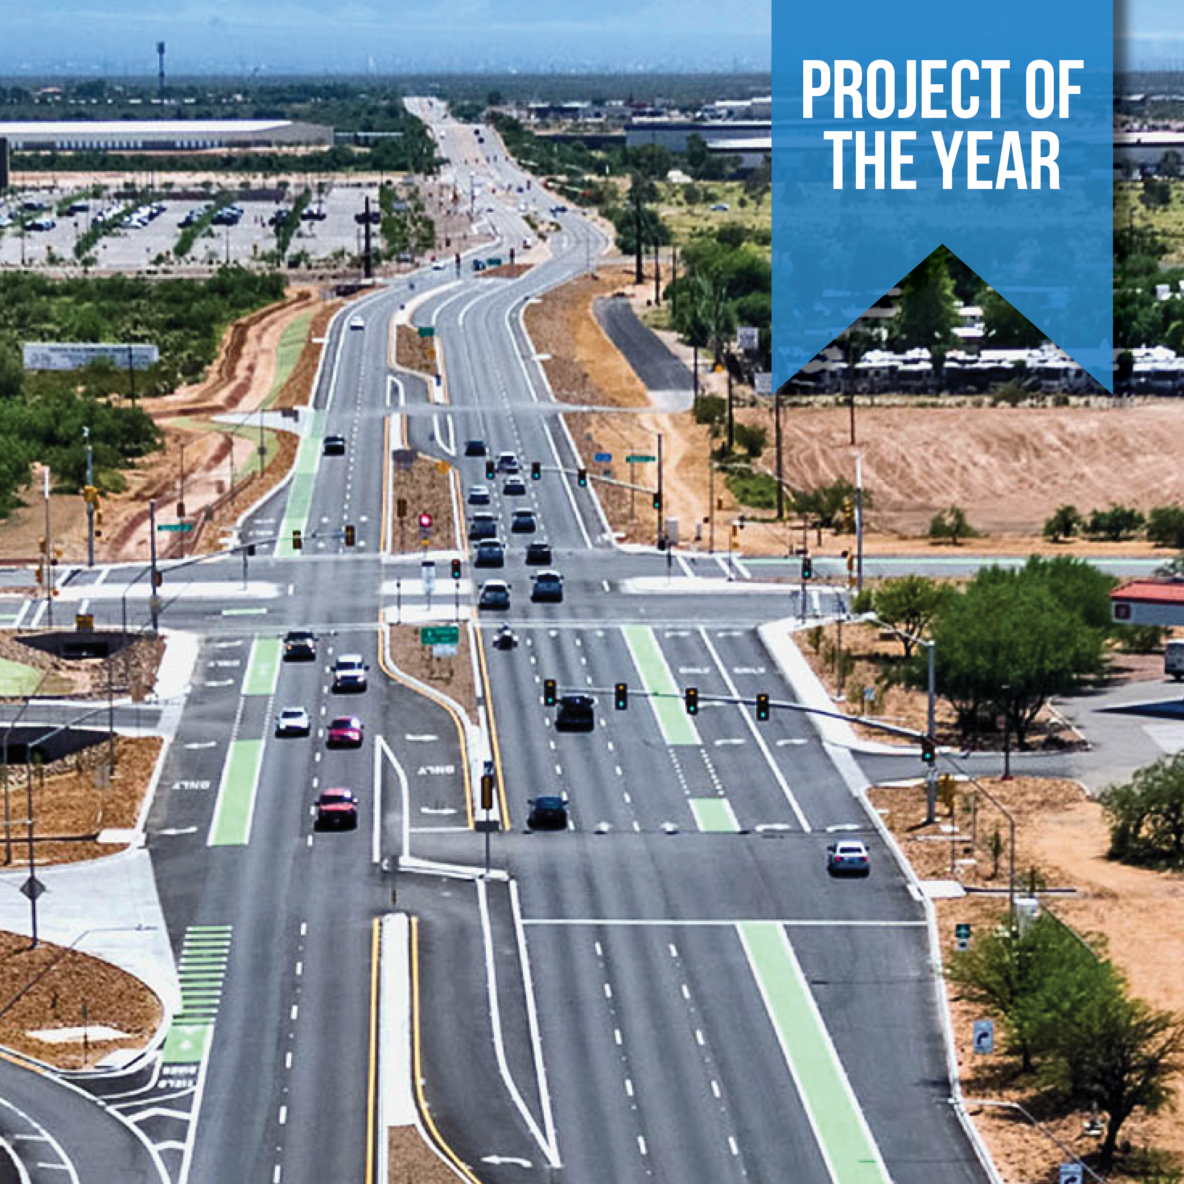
(153, 601)
(49, 572)
(780, 476)
(858, 522)
(661, 504)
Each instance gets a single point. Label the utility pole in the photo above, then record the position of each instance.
(367, 260)
(153, 601)
(181, 503)
(731, 414)
(858, 522)
(657, 274)
(131, 376)
(710, 494)
(90, 505)
(777, 437)
(32, 881)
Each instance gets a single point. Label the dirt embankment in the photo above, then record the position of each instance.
(1008, 468)
(414, 352)
(1132, 915)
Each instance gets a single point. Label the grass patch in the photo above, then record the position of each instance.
(757, 490)
(17, 679)
(685, 221)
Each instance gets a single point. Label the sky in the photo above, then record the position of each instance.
(116, 37)
(1149, 35)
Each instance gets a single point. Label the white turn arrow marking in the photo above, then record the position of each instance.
(436, 810)
(178, 830)
(747, 669)
(730, 740)
(500, 1159)
(202, 743)
(219, 682)
(678, 633)
(413, 739)
(226, 645)
(694, 670)
(729, 633)
(790, 740)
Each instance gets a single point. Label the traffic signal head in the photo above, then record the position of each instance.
(550, 695)
(581, 477)
(691, 699)
(762, 707)
(928, 750)
(658, 502)
(490, 470)
(621, 696)
(536, 470)
(807, 567)
(250, 548)
(351, 535)
(486, 791)
(157, 579)
(455, 569)
(297, 540)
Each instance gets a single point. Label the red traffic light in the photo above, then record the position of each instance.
(425, 520)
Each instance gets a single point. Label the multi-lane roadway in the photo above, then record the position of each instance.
(672, 987)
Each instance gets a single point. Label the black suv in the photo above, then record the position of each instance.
(575, 714)
(300, 646)
(547, 812)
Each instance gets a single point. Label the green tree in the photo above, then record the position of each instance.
(926, 316)
(1156, 194)
(908, 603)
(1005, 646)
(1114, 524)
(1120, 1055)
(1169, 163)
(1007, 327)
(641, 191)
(1064, 524)
(1032, 975)
(952, 525)
(1146, 814)
(1165, 526)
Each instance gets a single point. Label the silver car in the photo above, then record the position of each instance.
(847, 858)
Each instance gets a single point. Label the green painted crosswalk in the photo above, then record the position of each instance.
(236, 794)
(714, 814)
(844, 1138)
(656, 678)
(202, 969)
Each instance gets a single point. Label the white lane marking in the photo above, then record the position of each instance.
(283, 1116)
(641, 1145)
(732, 1145)
(405, 794)
(496, 1024)
(715, 1089)
(532, 1020)
(778, 776)
(629, 1086)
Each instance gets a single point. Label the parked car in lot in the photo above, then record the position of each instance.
(333, 446)
(523, 522)
(1173, 659)
(547, 812)
(478, 495)
(482, 526)
(538, 552)
(547, 588)
(300, 645)
(847, 857)
(349, 673)
(293, 721)
(313, 214)
(346, 731)
(41, 224)
(490, 553)
(495, 594)
(336, 809)
(475, 448)
(514, 487)
(576, 713)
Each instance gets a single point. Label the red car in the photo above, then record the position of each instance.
(337, 809)
(345, 732)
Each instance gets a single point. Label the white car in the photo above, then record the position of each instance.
(439, 265)
(349, 673)
(293, 721)
(848, 857)
(356, 323)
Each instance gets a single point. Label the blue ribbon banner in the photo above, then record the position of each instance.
(901, 128)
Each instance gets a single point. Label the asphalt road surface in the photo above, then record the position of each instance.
(671, 987)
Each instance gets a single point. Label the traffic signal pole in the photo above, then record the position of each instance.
(49, 572)
(153, 602)
(90, 505)
(859, 532)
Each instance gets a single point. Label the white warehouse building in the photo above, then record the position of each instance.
(161, 135)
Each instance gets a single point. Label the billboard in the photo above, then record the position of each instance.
(74, 355)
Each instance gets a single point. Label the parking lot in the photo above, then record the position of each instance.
(136, 248)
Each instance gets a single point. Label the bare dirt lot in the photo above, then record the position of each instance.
(451, 676)
(1007, 467)
(1134, 915)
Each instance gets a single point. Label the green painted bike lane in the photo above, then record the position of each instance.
(263, 667)
(304, 475)
(656, 678)
(714, 815)
(840, 1127)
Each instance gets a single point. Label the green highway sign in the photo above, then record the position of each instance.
(439, 635)
(175, 526)
(427, 331)
(638, 458)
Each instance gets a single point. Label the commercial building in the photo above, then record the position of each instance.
(674, 133)
(162, 135)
